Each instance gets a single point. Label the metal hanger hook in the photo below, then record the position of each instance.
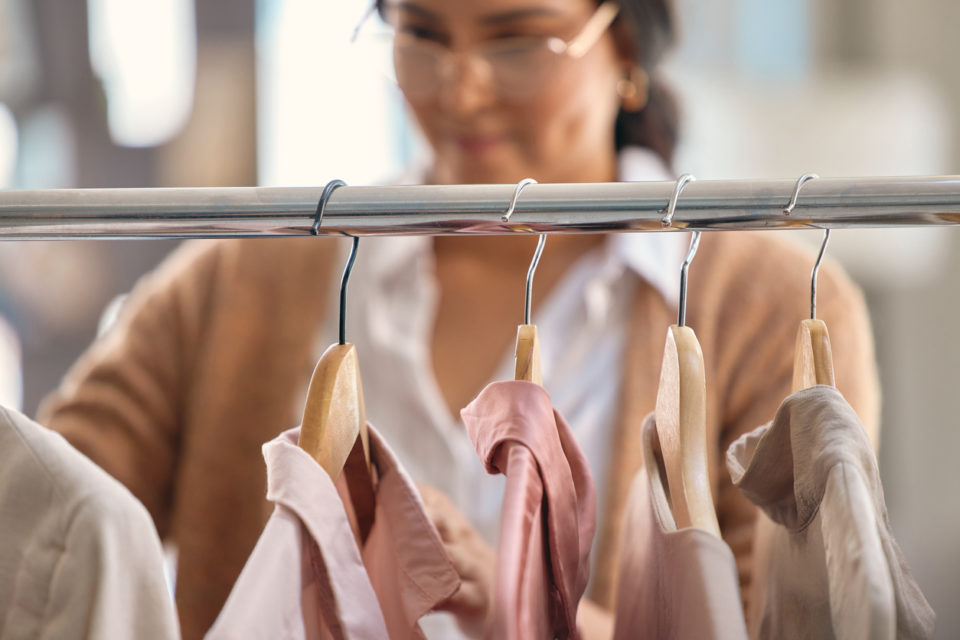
(343, 288)
(328, 190)
(692, 251)
(516, 194)
(796, 192)
(813, 275)
(682, 182)
(530, 272)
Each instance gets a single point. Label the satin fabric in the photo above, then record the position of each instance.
(826, 563)
(548, 516)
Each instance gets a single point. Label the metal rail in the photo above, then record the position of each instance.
(477, 209)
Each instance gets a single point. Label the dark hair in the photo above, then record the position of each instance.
(645, 30)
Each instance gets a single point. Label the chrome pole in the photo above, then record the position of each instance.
(477, 209)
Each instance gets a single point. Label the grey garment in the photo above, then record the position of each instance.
(79, 555)
(825, 564)
(672, 583)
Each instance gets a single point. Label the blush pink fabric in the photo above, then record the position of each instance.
(672, 583)
(548, 515)
(307, 577)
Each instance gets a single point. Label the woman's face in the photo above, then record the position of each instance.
(557, 127)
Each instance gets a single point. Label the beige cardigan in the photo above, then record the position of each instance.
(211, 354)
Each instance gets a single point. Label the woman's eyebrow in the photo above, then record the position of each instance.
(412, 7)
(519, 14)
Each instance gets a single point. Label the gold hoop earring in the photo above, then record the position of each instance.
(633, 90)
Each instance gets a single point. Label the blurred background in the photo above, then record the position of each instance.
(113, 93)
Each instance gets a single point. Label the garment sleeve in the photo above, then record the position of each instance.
(122, 403)
(756, 363)
(109, 581)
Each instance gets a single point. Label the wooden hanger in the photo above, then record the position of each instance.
(528, 343)
(334, 418)
(334, 428)
(681, 409)
(812, 357)
(681, 417)
(334, 425)
(528, 354)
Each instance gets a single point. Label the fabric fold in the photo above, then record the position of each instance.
(308, 577)
(79, 554)
(548, 515)
(826, 564)
(672, 583)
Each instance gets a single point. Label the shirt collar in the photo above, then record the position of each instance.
(297, 483)
(654, 257)
(402, 533)
(815, 429)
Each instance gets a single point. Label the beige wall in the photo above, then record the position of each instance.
(919, 356)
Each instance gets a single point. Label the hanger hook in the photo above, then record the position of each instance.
(796, 191)
(692, 251)
(813, 275)
(530, 272)
(328, 190)
(322, 204)
(343, 289)
(672, 205)
(516, 194)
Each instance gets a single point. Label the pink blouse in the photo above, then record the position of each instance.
(308, 577)
(548, 515)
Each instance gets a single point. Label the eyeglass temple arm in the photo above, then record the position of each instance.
(593, 30)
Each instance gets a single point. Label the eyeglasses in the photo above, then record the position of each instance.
(515, 67)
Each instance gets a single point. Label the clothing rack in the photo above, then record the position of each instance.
(705, 205)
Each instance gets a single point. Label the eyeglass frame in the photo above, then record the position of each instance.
(576, 47)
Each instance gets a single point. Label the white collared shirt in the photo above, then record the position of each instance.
(582, 325)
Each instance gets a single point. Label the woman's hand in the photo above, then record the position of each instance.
(472, 557)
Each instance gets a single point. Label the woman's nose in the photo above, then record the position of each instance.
(466, 84)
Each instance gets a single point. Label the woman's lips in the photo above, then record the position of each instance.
(477, 145)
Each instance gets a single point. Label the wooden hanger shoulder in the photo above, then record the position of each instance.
(813, 357)
(333, 415)
(528, 354)
(682, 431)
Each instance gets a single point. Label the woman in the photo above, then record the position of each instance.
(211, 355)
